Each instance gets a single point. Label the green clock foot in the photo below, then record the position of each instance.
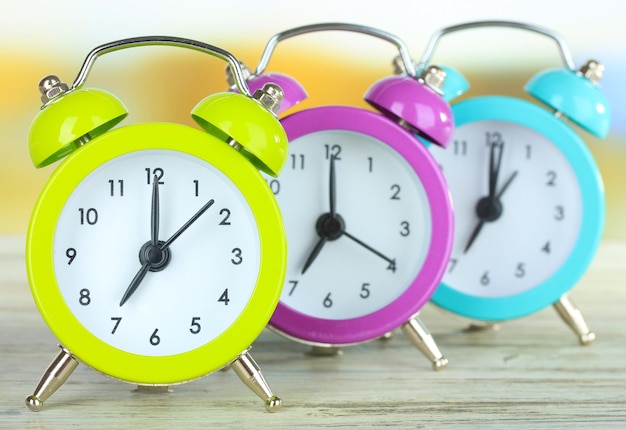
(273, 404)
(55, 375)
(250, 374)
(324, 351)
(34, 404)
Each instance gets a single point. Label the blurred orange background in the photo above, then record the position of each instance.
(164, 84)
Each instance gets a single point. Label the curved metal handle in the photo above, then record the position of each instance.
(271, 44)
(432, 43)
(166, 41)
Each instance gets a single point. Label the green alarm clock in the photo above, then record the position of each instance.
(156, 252)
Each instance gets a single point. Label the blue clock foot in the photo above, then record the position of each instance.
(587, 338)
(481, 326)
(574, 319)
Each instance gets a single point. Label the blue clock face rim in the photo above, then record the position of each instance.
(507, 109)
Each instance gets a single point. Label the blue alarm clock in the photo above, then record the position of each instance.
(528, 195)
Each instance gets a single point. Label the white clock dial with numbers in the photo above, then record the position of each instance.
(377, 242)
(527, 232)
(212, 265)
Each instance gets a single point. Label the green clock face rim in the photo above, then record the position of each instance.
(135, 368)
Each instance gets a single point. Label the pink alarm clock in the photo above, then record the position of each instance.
(367, 211)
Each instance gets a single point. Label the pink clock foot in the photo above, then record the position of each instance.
(423, 340)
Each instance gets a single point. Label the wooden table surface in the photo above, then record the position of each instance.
(530, 373)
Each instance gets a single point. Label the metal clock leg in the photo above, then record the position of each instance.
(574, 319)
(55, 375)
(324, 351)
(477, 326)
(387, 336)
(153, 389)
(250, 373)
(420, 337)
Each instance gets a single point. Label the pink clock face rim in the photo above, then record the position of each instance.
(349, 331)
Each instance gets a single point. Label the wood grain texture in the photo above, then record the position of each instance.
(530, 373)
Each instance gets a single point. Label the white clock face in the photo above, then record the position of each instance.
(526, 235)
(212, 268)
(372, 254)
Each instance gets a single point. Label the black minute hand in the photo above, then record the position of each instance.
(154, 240)
(154, 215)
(494, 167)
(369, 248)
(482, 221)
(157, 250)
(185, 226)
(332, 188)
(332, 205)
(506, 184)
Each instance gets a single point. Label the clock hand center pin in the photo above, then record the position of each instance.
(489, 208)
(331, 226)
(155, 254)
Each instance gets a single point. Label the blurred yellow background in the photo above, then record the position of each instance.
(164, 84)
